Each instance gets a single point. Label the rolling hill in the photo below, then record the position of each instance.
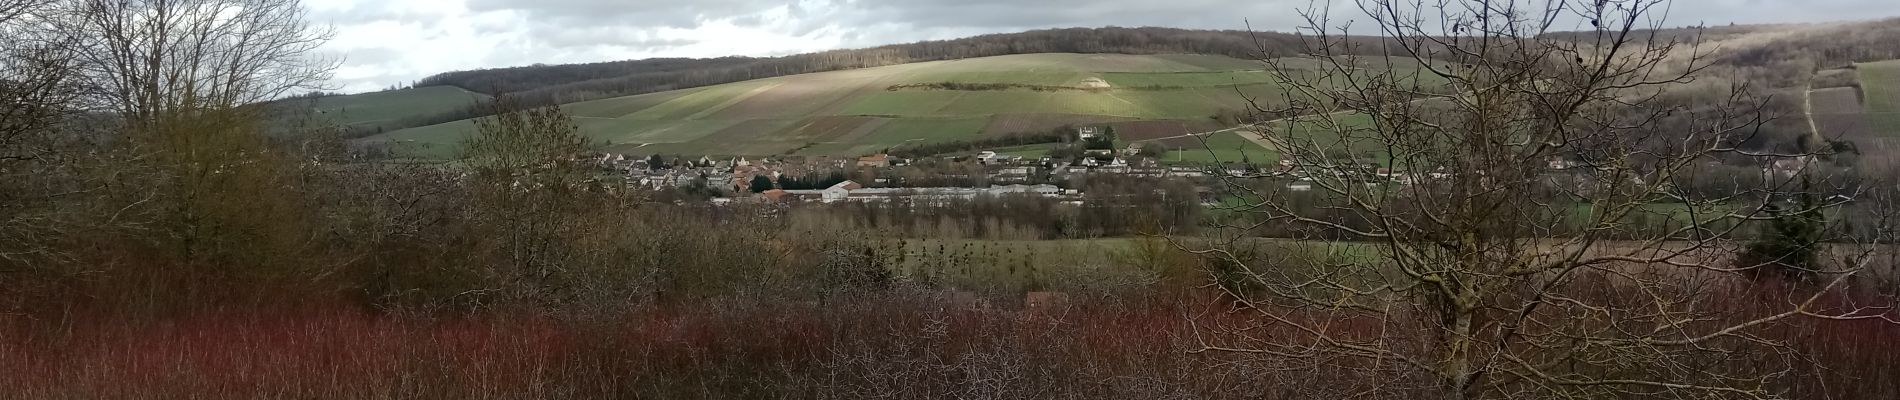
(853, 112)
(377, 112)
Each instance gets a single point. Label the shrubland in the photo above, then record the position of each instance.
(154, 244)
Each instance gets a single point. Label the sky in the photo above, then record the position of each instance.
(393, 42)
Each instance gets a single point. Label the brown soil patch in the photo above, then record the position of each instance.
(1840, 100)
(1839, 113)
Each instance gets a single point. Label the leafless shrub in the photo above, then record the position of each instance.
(1487, 281)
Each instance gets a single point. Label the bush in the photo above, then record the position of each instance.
(1789, 247)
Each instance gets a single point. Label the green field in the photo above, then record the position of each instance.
(380, 110)
(1188, 79)
(1881, 83)
(370, 108)
(1222, 147)
(855, 112)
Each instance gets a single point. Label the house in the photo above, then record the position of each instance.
(879, 160)
(609, 159)
(1239, 170)
(656, 180)
(1088, 132)
(1785, 167)
(839, 192)
(1013, 173)
(836, 193)
(1189, 172)
(991, 158)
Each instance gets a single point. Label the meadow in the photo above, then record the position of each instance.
(370, 109)
(1219, 147)
(774, 115)
(1880, 81)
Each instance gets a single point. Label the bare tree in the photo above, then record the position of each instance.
(37, 94)
(171, 93)
(529, 182)
(148, 60)
(1515, 194)
(36, 71)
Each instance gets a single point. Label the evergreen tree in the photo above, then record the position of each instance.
(760, 183)
(1788, 247)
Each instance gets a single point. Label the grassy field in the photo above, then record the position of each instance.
(1881, 83)
(801, 113)
(369, 110)
(1187, 79)
(619, 107)
(1223, 147)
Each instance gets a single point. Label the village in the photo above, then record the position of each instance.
(939, 178)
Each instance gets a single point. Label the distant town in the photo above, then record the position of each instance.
(884, 177)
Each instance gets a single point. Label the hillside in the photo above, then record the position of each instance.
(844, 113)
(377, 112)
(548, 84)
(850, 102)
(1858, 103)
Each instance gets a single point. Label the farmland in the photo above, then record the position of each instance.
(375, 112)
(1216, 147)
(853, 112)
(370, 108)
(1881, 84)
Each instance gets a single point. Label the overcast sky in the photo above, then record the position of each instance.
(386, 42)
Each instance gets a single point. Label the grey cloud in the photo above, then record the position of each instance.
(374, 56)
(1004, 14)
(551, 31)
(370, 12)
(602, 36)
(907, 20)
(642, 13)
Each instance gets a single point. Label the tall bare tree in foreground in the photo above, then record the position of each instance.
(150, 60)
(1528, 237)
(37, 93)
(169, 99)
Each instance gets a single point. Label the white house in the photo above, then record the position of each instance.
(1088, 132)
